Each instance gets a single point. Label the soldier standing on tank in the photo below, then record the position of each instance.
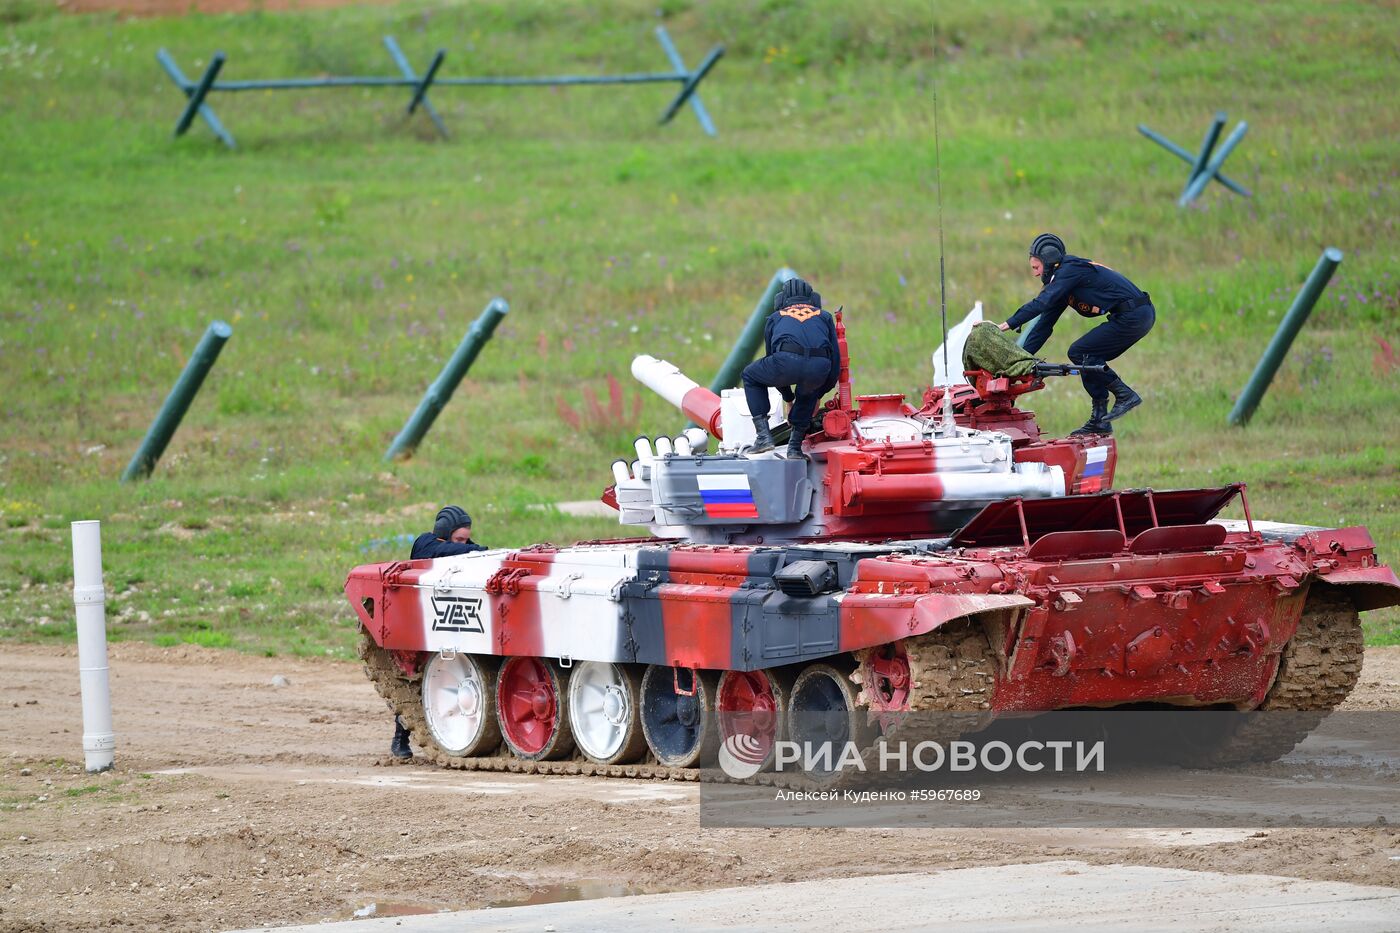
(1093, 290)
(802, 364)
(451, 535)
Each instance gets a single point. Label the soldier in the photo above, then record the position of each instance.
(451, 535)
(802, 363)
(1093, 290)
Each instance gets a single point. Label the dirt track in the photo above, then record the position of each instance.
(236, 803)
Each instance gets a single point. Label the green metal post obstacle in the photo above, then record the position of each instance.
(178, 402)
(751, 337)
(1205, 165)
(440, 392)
(197, 92)
(1288, 328)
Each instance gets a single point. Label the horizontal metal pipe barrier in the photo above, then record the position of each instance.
(197, 92)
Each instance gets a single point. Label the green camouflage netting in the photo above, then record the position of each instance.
(992, 349)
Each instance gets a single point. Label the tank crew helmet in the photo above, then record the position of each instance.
(449, 520)
(1050, 250)
(796, 292)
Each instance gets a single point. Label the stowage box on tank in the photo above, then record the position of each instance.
(730, 489)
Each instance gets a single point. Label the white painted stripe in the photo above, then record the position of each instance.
(1096, 454)
(461, 576)
(578, 616)
(726, 481)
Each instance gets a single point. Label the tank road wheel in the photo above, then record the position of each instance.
(752, 705)
(885, 681)
(532, 703)
(459, 708)
(678, 715)
(605, 712)
(824, 709)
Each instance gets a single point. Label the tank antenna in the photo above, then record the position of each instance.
(948, 425)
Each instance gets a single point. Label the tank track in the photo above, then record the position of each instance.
(953, 669)
(1318, 669)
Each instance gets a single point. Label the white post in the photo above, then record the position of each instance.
(89, 601)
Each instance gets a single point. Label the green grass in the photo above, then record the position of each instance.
(83, 791)
(350, 249)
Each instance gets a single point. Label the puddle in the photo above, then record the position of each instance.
(586, 890)
(578, 891)
(392, 909)
(647, 793)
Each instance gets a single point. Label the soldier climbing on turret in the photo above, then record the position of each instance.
(802, 364)
(451, 535)
(1093, 290)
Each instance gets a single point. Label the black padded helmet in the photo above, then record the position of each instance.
(796, 292)
(449, 520)
(1049, 249)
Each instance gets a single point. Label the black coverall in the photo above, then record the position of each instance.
(1093, 290)
(430, 545)
(801, 345)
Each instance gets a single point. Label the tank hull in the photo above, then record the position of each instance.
(1191, 614)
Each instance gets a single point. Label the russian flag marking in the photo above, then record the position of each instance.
(727, 495)
(1095, 460)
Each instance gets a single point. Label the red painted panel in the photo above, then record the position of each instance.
(401, 620)
(719, 566)
(1235, 680)
(517, 606)
(698, 625)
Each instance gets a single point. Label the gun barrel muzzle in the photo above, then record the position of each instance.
(698, 403)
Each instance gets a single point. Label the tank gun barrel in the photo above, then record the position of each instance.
(695, 401)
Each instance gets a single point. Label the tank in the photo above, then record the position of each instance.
(944, 557)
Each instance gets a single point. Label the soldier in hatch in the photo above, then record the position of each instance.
(451, 535)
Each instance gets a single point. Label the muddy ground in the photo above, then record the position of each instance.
(237, 803)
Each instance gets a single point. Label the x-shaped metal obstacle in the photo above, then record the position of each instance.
(1205, 165)
(197, 92)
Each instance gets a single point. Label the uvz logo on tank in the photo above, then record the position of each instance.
(457, 614)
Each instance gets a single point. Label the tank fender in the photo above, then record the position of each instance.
(371, 588)
(864, 625)
(1367, 587)
(1347, 557)
(931, 612)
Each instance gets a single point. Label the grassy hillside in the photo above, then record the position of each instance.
(349, 249)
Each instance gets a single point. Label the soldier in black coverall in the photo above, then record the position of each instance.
(451, 535)
(1093, 290)
(803, 363)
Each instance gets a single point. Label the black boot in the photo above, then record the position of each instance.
(1124, 399)
(1098, 420)
(399, 747)
(764, 439)
(794, 447)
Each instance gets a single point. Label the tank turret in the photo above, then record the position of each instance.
(877, 468)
